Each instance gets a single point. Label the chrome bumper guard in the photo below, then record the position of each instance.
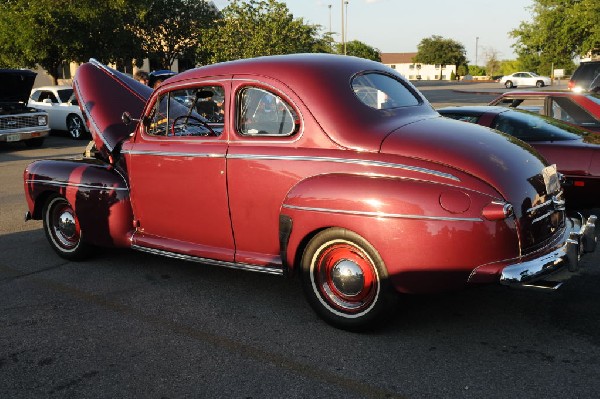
(549, 270)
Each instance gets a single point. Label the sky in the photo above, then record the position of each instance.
(398, 26)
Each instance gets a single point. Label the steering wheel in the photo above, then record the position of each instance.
(195, 121)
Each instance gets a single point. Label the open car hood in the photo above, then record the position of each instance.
(16, 85)
(104, 94)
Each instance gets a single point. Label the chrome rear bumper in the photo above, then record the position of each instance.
(548, 270)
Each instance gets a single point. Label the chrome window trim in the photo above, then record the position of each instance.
(231, 265)
(382, 214)
(78, 185)
(348, 161)
(174, 154)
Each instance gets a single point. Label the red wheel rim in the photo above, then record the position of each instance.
(345, 277)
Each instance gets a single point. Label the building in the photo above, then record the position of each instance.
(404, 64)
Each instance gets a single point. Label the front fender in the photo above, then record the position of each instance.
(426, 232)
(98, 193)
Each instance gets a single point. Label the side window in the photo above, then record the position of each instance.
(260, 112)
(188, 112)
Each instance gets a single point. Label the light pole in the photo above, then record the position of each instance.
(346, 30)
(343, 37)
(329, 18)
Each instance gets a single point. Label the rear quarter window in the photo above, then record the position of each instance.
(380, 91)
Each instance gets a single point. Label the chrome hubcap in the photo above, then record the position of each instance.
(347, 277)
(66, 224)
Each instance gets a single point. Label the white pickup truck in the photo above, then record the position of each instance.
(18, 122)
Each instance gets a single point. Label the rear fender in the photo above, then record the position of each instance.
(97, 191)
(418, 227)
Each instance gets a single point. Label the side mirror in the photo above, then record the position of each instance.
(127, 119)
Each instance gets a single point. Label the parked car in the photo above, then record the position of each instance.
(525, 79)
(577, 109)
(332, 168)
(19, 122)
(586, 77)
(575, 151)
(62, 107)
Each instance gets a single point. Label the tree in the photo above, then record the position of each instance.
(51, 33)
(359, 49)
(560, 30)
(260, 27)
(436, 50)
(168, 29)
(492, 65)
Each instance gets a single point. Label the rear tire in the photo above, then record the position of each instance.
(539, 83)
(63, 231)
(509, 84)
(345, 280)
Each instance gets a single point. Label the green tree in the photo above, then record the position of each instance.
(438, 50)
(51, 33)
(169, 29)
(559, 31)
(260, 27)
(359, 49)
(476, 70)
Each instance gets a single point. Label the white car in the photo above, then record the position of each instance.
(525, 79)
(62, 107)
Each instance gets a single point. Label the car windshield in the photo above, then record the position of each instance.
(65, 95)
(530, 127)
(381, 91)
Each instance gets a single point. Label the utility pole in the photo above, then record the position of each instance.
(343, 37)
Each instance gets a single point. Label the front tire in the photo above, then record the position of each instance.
(75, 127)
(63, 231)
(345, 280)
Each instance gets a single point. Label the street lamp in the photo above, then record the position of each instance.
(346, 37)
(343, 37)
(329, 18)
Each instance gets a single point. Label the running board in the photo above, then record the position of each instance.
(231, 265)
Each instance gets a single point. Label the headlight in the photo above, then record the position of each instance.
(42, 120)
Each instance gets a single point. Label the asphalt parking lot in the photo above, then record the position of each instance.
(129, 324)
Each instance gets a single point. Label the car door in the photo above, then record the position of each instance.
(177, 173)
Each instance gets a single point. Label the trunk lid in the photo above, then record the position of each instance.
(509, 165)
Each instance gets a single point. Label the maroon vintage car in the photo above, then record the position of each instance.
(576, 152)
(334, 168)
(576, 109)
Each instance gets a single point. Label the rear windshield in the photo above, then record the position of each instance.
(381, 91)
(587, 71)
(531, 127)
